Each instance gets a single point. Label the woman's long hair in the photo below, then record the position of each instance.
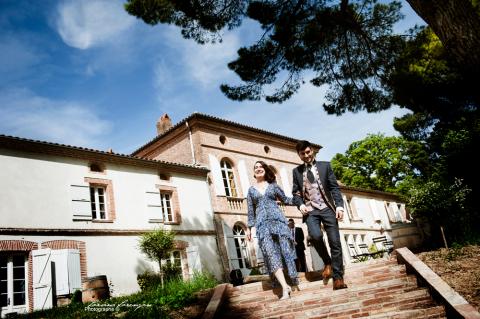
(269, 175)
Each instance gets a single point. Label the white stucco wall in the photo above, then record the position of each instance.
(36, 193)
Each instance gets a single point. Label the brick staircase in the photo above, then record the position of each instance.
(376, 289)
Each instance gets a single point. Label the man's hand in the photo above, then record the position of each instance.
(339, 214)
(303, 209)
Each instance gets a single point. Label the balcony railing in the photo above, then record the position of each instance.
(239, 205)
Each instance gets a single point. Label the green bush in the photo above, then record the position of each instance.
(148, 280)
(155, 302)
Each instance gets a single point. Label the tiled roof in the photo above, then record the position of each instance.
(219, 120)
(13, 142)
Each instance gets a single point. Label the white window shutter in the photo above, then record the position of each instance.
(242, 171)
(153, 205)
(193, 259)
(373, 209)
(81, 208)
(67, 270)
(258, 251)
(216, 175)
(42, 279)
(285, 181)
(230, 245)
(74, 271)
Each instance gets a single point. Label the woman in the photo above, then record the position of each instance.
(274, 236)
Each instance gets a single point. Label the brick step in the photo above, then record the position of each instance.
(418, 299)
(347, 307)
(372, 263)
(320, 291)
(394, 272)
(313, 300)
(364, 271)
(432, 312)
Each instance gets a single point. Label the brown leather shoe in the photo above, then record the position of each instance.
(339, 284)
(327, 272)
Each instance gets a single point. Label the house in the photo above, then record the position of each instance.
(229, 150)
(81, 211)
(72, 213)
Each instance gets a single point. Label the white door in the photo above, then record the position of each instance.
(42, 279)
(13, 297)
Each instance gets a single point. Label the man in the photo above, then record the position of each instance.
(299, 237)
(317, 195)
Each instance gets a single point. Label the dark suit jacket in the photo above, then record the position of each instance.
(329, 181)
(299, 238)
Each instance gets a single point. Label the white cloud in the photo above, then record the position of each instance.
(84, 24)
(204, 64)
(27, 115)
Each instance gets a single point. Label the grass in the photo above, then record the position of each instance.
(156, 302)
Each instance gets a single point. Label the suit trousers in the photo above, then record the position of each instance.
(330, 224)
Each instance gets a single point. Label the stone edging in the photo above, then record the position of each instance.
(456, 306)
(216, 301)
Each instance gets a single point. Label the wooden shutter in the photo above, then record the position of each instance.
(67, 270)
(81, 208)
(42, 279)
(216, 175)
(258, 251)
(154, 206)
(193, 259)
(230, 245)
(242, 171)
(285, 181)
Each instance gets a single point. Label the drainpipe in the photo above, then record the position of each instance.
(191, 143)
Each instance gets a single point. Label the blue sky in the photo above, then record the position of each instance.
(85, 73)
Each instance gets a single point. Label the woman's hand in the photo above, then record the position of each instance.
(249, 234)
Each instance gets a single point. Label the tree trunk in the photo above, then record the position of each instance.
(457, 24)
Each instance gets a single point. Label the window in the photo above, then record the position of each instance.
(228, 179)
(351, 209)
(241, 247)
(174, 259)
(222, 139)
(93, 200)
(266, 149)
(12, 282)
(166, 202)
(98, 202)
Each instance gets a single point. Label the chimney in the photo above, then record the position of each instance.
(163, 124)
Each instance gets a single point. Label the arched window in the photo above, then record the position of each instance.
(228, 179)
(241, 247)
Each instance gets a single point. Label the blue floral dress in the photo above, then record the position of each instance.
(274, 237)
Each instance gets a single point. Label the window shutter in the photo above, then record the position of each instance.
(194, 262)
(242, 171)
(154, 206)
(373, 209)
(67, 270)
(216, 175)
(81, 208)
(285, 181)
(258, 251)
(42, 279)
(230, 245)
